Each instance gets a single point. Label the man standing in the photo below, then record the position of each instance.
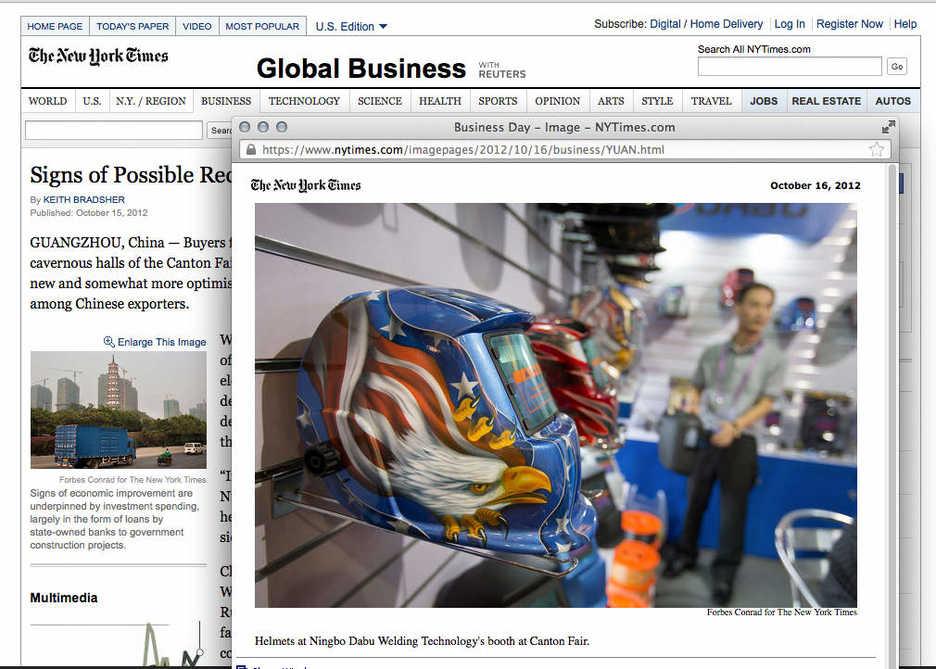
(735, 385)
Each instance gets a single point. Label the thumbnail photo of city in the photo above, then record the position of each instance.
(135, 409)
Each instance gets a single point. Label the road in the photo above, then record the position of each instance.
(146, 459)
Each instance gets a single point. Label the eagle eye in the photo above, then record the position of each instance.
(480, 488)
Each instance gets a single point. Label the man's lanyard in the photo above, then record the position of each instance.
(720, 397)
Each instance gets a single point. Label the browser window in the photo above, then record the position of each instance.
(629, 169)
(330, 202)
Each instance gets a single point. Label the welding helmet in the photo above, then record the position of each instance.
(732, 284)
(799, 314)
(615, 322)
(631, 329)
(630, 227)
(558, 345)
(637, 261)
(632, 266)
(625, 236)
(821, 422)
(426, 412)
(673, 303)
(611, 211)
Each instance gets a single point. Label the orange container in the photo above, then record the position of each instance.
(627, 598)
(642, 526)
(634, 564)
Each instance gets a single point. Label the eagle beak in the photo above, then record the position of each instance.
(521, 485)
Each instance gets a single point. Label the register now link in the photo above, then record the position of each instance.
(462, 149)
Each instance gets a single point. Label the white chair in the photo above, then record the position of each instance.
(803, 550)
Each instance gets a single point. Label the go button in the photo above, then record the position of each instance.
(896, 66)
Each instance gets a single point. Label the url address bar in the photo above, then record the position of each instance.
(584, 149)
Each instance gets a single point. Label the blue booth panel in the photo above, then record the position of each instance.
(805, 222)
(783, 484)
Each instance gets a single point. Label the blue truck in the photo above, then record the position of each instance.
(91, 446)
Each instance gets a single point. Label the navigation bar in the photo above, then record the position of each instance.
(163, 25)
(480, 101)
(333, 18)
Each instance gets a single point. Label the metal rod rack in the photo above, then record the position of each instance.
(276, 365)
(288, 558)
(283, 469)
(547, 567)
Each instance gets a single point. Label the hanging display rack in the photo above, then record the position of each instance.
(554, 567)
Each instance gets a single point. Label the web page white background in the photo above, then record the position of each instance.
(162, 592)
(858, 638)
(481, 19)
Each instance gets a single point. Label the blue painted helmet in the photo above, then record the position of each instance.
(425, 411)
(798, 314)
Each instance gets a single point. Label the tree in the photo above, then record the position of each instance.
(44, 422)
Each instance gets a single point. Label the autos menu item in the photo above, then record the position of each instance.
(426, 412)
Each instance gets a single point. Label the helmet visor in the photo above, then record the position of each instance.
(524, 379)
(594, 359)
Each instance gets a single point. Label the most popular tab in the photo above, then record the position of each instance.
(259, 25)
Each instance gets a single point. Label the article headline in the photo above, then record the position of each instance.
(121, 174)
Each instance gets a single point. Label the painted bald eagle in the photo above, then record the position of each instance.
(387, 407)
(465, 491)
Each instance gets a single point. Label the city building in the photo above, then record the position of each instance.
(102, 390)
(116, 392)
(200, 411)
(129, 395)
(171, 408)
(67, 394)
(40, 397)
(112, 388)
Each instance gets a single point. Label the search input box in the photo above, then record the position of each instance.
(792, 66)
(119, 130)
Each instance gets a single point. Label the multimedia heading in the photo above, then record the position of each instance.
(357, 68)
